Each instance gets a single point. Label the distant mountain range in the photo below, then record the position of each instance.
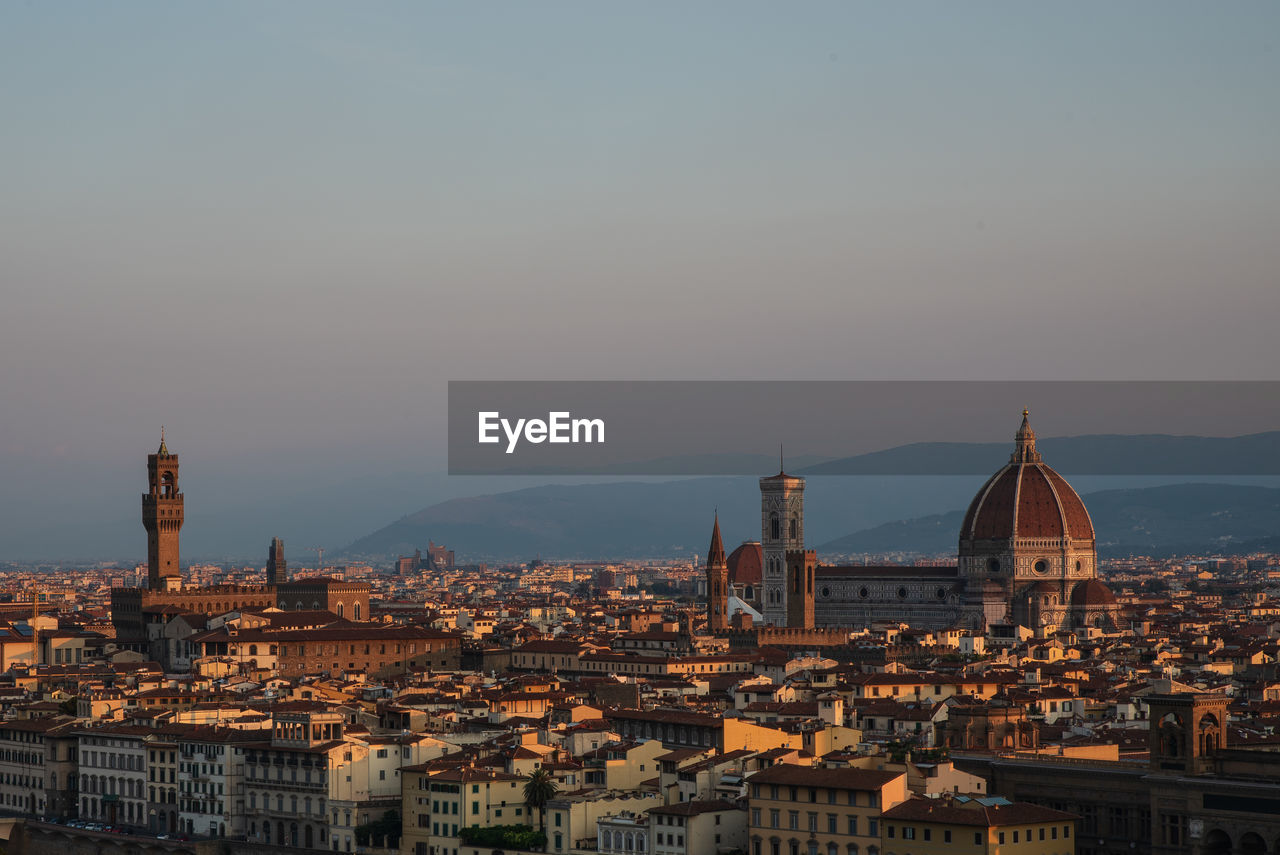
(885, 513)
(1170, 520)
(1102, 454)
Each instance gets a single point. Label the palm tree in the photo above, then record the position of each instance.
(539, 789)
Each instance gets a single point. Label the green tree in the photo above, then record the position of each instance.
(539, 789)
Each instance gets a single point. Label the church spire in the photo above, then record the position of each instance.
(1024, 450)
(715, 555)
(164, 449)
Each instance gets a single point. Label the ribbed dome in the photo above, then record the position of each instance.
(1092, 593)
(1026, 499)
(745, 564)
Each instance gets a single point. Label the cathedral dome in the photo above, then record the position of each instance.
(1026, 499)
(1092, 594)
(745, 564)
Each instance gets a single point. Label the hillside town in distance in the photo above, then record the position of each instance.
(1018, 696)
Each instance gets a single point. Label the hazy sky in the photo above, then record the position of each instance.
(280, 228)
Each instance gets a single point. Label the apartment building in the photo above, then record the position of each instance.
(573, 819)
(437, 803)
(698, 828)
(113, 774)
(805, 810)
(286, 780)
(211, 798)
(376, 649)
(366, 783)
(30, 780)
(980, 826)
(162, 780)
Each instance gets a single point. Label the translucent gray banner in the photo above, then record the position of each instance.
(859, 427)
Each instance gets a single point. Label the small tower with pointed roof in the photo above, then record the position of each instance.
(162, 516)
(717, 584)
(1024, 447)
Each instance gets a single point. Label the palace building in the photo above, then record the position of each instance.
(139, 614)
(1027, 556)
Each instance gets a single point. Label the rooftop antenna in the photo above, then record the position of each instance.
(781, 466)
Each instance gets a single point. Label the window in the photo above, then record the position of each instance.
(946, 835)
(977, 838)
(853, 825)
(1002, 838)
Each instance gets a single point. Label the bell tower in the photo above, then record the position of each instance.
(277, 569)
(162, 516)
(717, 584)
(800, 570)
(1186, 730)
(781, 531)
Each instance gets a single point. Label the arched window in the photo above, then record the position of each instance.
(775, 527)
(355, 611)
(340, 610)
(793, 528)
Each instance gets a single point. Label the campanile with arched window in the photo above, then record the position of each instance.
(162, 516)
(1186, 730)
(782, 531)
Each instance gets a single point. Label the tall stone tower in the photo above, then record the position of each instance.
(162, 517)
(717, 584)
(277, 569)
(801, 564)
(781, 531)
